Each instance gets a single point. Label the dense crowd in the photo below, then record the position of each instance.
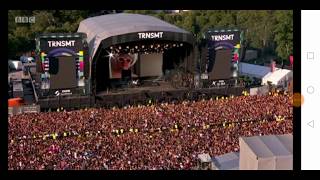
(154, 136)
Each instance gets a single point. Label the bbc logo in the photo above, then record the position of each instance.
(24, 19)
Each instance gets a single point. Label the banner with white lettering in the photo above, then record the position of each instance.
(224, 38)
(72, 43)
(150, 35)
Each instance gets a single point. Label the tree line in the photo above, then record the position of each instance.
(269, 31)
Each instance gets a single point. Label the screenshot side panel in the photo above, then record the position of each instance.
(310, 89)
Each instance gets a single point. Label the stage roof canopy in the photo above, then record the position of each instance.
(120, 28)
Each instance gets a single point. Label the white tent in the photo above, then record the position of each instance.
(229, 161)
(15, 65)
(278, 77)
(253, 70)
(273, 152)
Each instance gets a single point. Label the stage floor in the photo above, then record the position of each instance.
(162, 86)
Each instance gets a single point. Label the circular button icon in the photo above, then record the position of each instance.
(310, 89)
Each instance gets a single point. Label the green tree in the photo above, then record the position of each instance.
(284, 33)
(268, 30)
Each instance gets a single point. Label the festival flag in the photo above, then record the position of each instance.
(54, 136)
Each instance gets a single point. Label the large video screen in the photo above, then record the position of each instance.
(121, 62)
(221, 65)
(63, 72)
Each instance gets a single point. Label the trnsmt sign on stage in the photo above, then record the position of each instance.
(150, 35)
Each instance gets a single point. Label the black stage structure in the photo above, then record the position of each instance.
(129, 41)
(136, 34)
